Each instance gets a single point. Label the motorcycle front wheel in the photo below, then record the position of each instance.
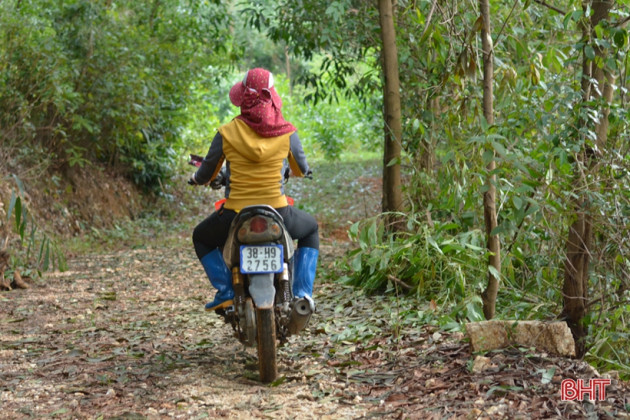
(266, 338)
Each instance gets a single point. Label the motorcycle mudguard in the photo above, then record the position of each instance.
(231, 248)
(262, 290)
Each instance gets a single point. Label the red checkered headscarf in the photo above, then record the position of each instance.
(260, 104)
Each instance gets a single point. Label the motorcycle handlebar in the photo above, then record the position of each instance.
(287, 174)
(219, 181)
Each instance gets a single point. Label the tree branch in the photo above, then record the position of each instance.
(554, 8)
(426, 26)
(503, 26)
(399, 281)
(623, 22)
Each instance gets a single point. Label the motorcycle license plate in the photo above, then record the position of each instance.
(261, 259)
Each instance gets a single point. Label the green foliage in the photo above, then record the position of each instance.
(608, 325)
(150, 158)
(105, 81)
(344, 32)
(329, 129)
(431, 262)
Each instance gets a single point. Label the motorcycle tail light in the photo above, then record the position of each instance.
(259, 229)
(258, 224)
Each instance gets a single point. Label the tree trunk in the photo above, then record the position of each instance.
(579, 241)
(392, 193)
(489, 296)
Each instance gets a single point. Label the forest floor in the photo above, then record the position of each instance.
(122, 335)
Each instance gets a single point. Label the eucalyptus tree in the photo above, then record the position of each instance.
(489, 295)
(392, 193)
(597, 89)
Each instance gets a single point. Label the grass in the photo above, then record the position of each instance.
(340, 192)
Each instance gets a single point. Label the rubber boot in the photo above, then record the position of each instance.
(221, 279)
(305, 266)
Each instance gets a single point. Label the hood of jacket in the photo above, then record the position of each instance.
(255, 148)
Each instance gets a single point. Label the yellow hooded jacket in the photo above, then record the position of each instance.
(255, 165)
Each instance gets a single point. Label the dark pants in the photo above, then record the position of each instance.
(212, 232)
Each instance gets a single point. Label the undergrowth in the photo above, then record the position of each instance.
(430, 263)
(29, 249)
(443, 269)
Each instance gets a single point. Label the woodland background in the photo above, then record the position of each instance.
(101, 101)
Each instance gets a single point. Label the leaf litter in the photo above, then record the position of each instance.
(124, 335)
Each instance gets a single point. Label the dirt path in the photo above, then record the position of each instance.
(123, 335)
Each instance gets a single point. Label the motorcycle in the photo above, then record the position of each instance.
(259, 253)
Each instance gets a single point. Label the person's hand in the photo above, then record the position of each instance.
(219, 181)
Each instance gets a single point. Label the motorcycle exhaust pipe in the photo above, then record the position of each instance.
(300, 314)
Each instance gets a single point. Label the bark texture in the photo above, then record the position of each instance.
(392, 193)
(489, 296)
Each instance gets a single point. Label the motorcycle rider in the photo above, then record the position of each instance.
(255, 146)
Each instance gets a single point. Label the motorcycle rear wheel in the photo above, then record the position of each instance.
(266, 338)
